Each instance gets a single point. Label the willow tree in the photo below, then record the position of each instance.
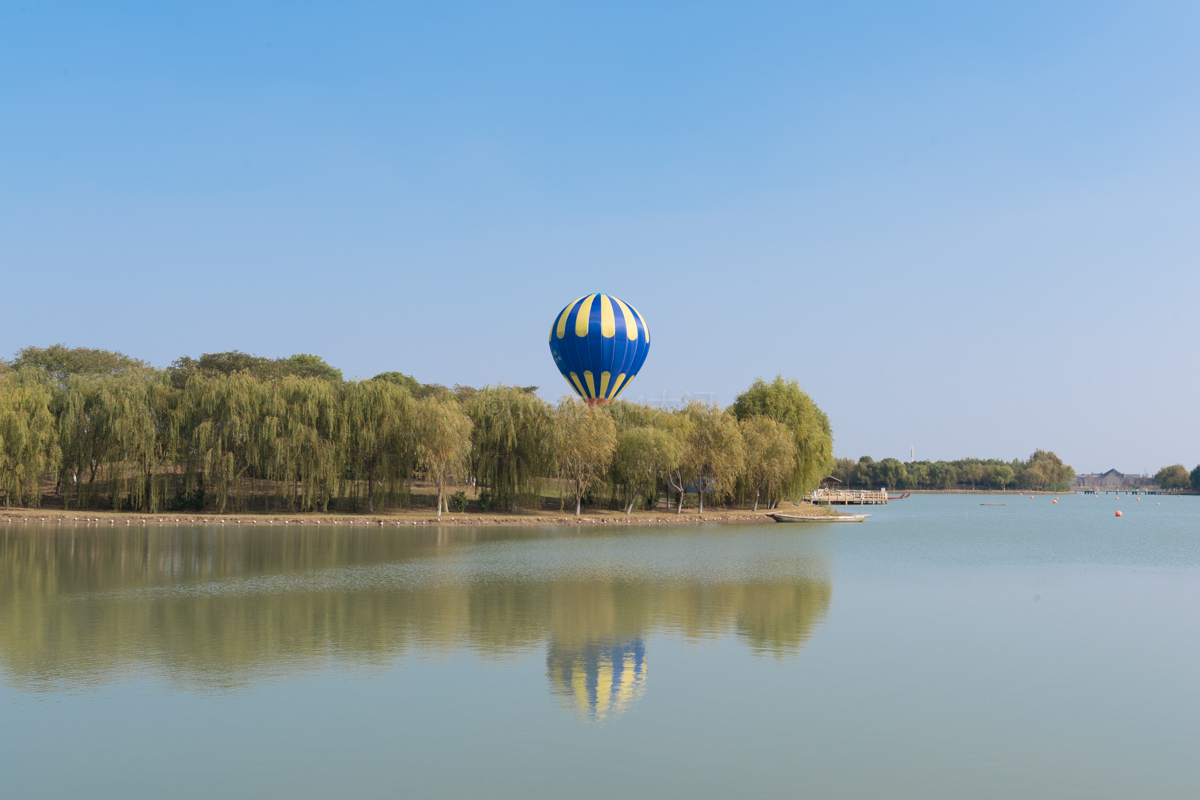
(377, 425)
(98, 415)
(512, 441)
(713, 453)
(678, 425)
(76, 409)
(628, 415)
(586, 437)
(443, 437)
(644, 457)
(230, 433)
(134, 419)
(789, 405)
(770, 457)
(300, 417)
(28, 440)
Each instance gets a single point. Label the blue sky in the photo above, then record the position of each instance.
(969, 228)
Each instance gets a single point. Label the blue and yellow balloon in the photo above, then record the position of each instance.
(599, 343)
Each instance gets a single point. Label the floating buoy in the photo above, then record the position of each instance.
(1055, 500)
(1118, 513)
(1139, 499)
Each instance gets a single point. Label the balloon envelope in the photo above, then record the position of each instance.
(599, 343)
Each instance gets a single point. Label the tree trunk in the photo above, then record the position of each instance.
(756, 499)
(439, 493)
(700, 482)
(636, 495)
(370, 494)
(578, 502)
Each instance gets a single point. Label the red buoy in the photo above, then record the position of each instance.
(1118, 513)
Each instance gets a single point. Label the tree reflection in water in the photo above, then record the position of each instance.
(218, 608)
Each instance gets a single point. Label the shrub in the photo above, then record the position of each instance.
(459, 501)
(485, 500)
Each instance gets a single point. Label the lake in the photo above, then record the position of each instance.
(942, 649)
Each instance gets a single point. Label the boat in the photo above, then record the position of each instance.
(818, 518)
(904, 496)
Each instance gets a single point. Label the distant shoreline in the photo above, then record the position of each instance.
(402, 519)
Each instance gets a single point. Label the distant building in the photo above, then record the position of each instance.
(1109, 480)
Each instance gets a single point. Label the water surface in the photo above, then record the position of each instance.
(942, 649)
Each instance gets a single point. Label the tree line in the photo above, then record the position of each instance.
(1177, 476)
(1043, 471)
(233, 431)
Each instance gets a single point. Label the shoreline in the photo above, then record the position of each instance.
(740, 516)
(404, 519)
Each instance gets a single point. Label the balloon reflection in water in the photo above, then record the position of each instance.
(597, 680)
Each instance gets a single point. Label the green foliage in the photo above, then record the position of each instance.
(645, 457)
(305, 365)
(1195, 478)
(443, 439)
(713, 452)
(627, 415)
(231, 433)
(1046, 471)
(302, 418)
(28, 444)
(585, 437)
(459, 501)
(890, 473)
(1173, 477)
(512, 443)
(231, 362)
(1043, 471)
(786, 403)
(376, 424)
(59, 361)
(770, 457)
(400, 379)
(231, 429)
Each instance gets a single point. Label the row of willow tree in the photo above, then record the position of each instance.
(1041, 471)
(231, 431)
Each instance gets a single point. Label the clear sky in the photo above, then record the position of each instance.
(970, 228)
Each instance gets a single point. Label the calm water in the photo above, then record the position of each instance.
(942, 649)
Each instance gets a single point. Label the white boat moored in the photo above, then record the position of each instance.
(818, 518)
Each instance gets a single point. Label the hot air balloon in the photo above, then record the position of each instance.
(599, 343)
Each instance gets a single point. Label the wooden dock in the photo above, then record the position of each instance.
(849, 497)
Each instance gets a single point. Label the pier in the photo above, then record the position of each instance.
(849, 497)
